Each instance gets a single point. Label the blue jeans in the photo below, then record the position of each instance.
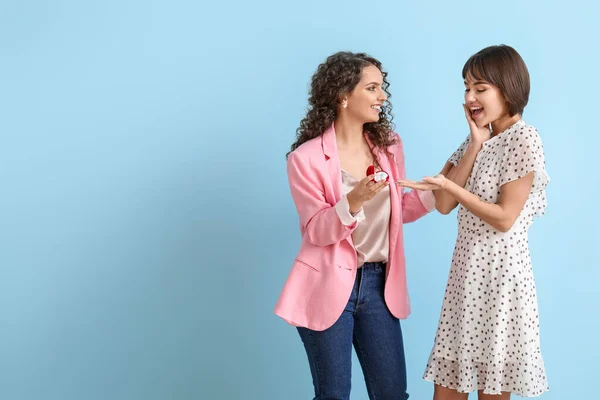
(368, 324)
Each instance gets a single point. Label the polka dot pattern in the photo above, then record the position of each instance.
(488, 333)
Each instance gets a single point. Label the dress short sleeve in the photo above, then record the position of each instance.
(458, 154)
(524, 153)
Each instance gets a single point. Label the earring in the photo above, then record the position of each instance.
(345, 105)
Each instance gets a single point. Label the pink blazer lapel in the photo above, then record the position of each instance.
(333, 164)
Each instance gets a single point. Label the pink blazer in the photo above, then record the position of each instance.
(322, 275)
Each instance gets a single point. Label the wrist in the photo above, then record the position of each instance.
(476, 145)
(447, 185)
(354, 205)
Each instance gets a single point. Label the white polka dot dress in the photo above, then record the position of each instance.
(488, 333)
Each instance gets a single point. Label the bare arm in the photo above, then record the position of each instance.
(459, 174)
(501, 215)
(521, 171)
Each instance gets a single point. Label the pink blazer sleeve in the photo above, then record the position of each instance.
(319, 220)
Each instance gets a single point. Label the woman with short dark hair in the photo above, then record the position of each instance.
(488, 334)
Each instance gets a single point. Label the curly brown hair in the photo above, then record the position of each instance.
(334, 78)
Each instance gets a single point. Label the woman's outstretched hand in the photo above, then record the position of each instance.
(438, 182)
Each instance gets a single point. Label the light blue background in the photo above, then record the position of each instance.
(146, 222)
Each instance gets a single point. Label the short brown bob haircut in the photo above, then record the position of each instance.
(503, 67)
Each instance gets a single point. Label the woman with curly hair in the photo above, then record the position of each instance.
(347, 285)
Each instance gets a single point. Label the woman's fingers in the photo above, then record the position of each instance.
(378, 186)
(367, 180)
(408, 183)
(418, 185)
(469, 117)
(467, 113)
